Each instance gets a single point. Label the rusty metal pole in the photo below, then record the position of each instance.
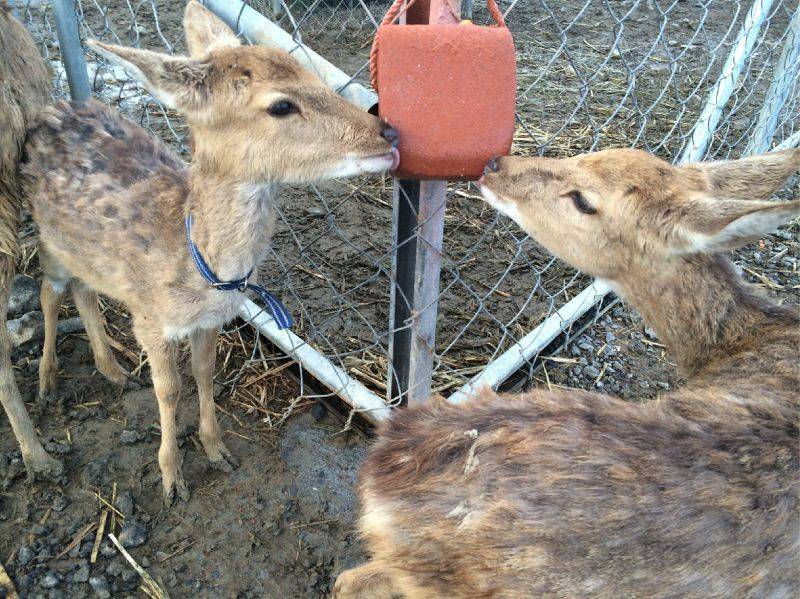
(418, 230)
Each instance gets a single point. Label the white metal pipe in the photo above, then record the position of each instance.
(793, 141)
(709, 119)
(784, 76)
(334, 378)
(260, 30)
(534, 342)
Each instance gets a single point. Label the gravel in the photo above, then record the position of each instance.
(591, 372)
(50, 580)
(25, 555)
(133, 534)
(100, 586)
(24, 296)
(124, 503)
(82, 574)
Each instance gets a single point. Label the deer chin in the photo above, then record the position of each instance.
(352, 166)
(501, 204)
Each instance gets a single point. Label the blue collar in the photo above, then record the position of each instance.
(279, 312)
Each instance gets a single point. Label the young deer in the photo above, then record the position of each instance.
(110, 202)
(568, 493)
(24, 90)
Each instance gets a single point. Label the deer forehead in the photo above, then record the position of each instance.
(259, 65)
(626, 167)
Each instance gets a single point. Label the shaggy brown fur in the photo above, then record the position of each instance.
(567, 493)
(110, 203)
(24, 90)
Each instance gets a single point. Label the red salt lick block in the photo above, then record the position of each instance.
(450, 91)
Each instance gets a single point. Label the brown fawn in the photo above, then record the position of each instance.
(111, 201)
(568, 493)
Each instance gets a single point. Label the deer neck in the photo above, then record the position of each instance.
(699, 308)
(231, 221)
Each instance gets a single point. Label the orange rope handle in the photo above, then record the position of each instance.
(494, 11)
(392, 14)
(388, 18)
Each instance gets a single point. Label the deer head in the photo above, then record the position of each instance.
(255, 113)
(609, 212)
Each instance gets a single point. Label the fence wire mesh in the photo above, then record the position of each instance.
(591, 74)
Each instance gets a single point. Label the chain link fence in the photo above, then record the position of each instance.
(591, 74)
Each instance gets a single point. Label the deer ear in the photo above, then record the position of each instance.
(205, 31)
(712, 225)
(751, 178)
(177, 81)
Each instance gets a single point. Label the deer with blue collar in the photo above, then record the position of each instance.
(119, 213)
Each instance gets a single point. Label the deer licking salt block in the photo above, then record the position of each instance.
(450, 91)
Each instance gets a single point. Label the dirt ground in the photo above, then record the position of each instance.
(282, 525)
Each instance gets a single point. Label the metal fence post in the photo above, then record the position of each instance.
(69, 40)
(783, 79)
(418, 229)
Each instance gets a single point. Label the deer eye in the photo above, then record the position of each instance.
(581, 203)
(282, 108)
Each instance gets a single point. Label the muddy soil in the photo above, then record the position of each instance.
(281, 525)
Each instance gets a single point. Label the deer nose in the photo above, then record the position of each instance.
(390, 134)
(492, 166)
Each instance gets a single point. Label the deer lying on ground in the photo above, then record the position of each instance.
(567, 493)
(111, 203)
(24, 90)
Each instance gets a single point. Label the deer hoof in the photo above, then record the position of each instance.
(44, 468)
(176, 491)
(224, 461)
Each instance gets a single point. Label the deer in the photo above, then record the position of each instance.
(570, 493)
(121, 214)
(24, 91)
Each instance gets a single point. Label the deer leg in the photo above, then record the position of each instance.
(88, 306)
(373, 580)
(37, 461)
(163, 356)
(52, 295)
(204, 352)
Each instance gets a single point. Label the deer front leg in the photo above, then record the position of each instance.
(37, 461)
(52, 295)
(88, 307)
(204, 351)
(163, 356)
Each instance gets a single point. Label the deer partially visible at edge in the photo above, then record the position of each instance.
(568, 493)
(111, 203)
(24, 91)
